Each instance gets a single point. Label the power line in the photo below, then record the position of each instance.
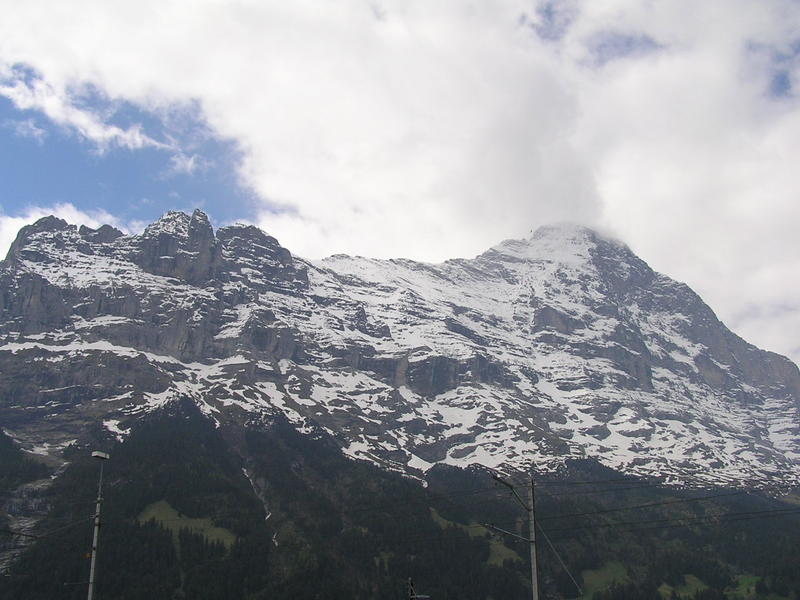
(614, 490)
(558, 556)
(477, 491)
(723, 516)
(623, 525)
(617, 485)
(20, 533)
(646, 505)
(750, 481)
(67, 526)
(47, 533)
(546, 482)
(470, 492)
(643, 486)
(698, 521)
(725, 520)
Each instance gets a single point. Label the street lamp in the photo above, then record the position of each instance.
(102, 457)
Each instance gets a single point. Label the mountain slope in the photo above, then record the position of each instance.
(196, 511)
(562, 345)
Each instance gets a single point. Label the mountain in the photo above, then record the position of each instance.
(233, 383)
(562, 345)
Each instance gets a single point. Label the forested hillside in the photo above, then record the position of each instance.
(194, 511)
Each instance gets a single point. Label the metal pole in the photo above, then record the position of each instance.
(530, 507)
(93, 569)
(532, 535)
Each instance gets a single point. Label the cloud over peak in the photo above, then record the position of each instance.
(433, 130)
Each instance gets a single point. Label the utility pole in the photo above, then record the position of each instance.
(102, 456)
(530, 508)
(532, 534)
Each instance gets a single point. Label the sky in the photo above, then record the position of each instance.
(427, 130)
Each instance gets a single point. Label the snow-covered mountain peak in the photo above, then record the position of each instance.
(179, 224)
(564, 244)
(49, 226)
(563, 344)
(172, 222)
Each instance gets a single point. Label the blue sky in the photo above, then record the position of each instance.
(405, 128)
(44, 164)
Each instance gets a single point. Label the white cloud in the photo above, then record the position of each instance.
(694, 160)
(26, 128)
(434, 130)
(60, 107)
(180, 163)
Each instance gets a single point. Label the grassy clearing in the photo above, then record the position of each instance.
(746, 586)
(691, 586)
(687, 589)
(792, 498)
(595, 580)
(171, 519)
(665, 590)
(745, 589)
(381, 561)
(498, 552)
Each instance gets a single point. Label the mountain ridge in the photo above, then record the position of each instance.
(565, 344)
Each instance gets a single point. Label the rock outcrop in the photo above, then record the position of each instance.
(564, 344)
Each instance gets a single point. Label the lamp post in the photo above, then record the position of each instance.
(102, 457)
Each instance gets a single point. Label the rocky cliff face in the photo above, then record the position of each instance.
(564, 344)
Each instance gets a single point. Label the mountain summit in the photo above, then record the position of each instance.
(565, 344)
